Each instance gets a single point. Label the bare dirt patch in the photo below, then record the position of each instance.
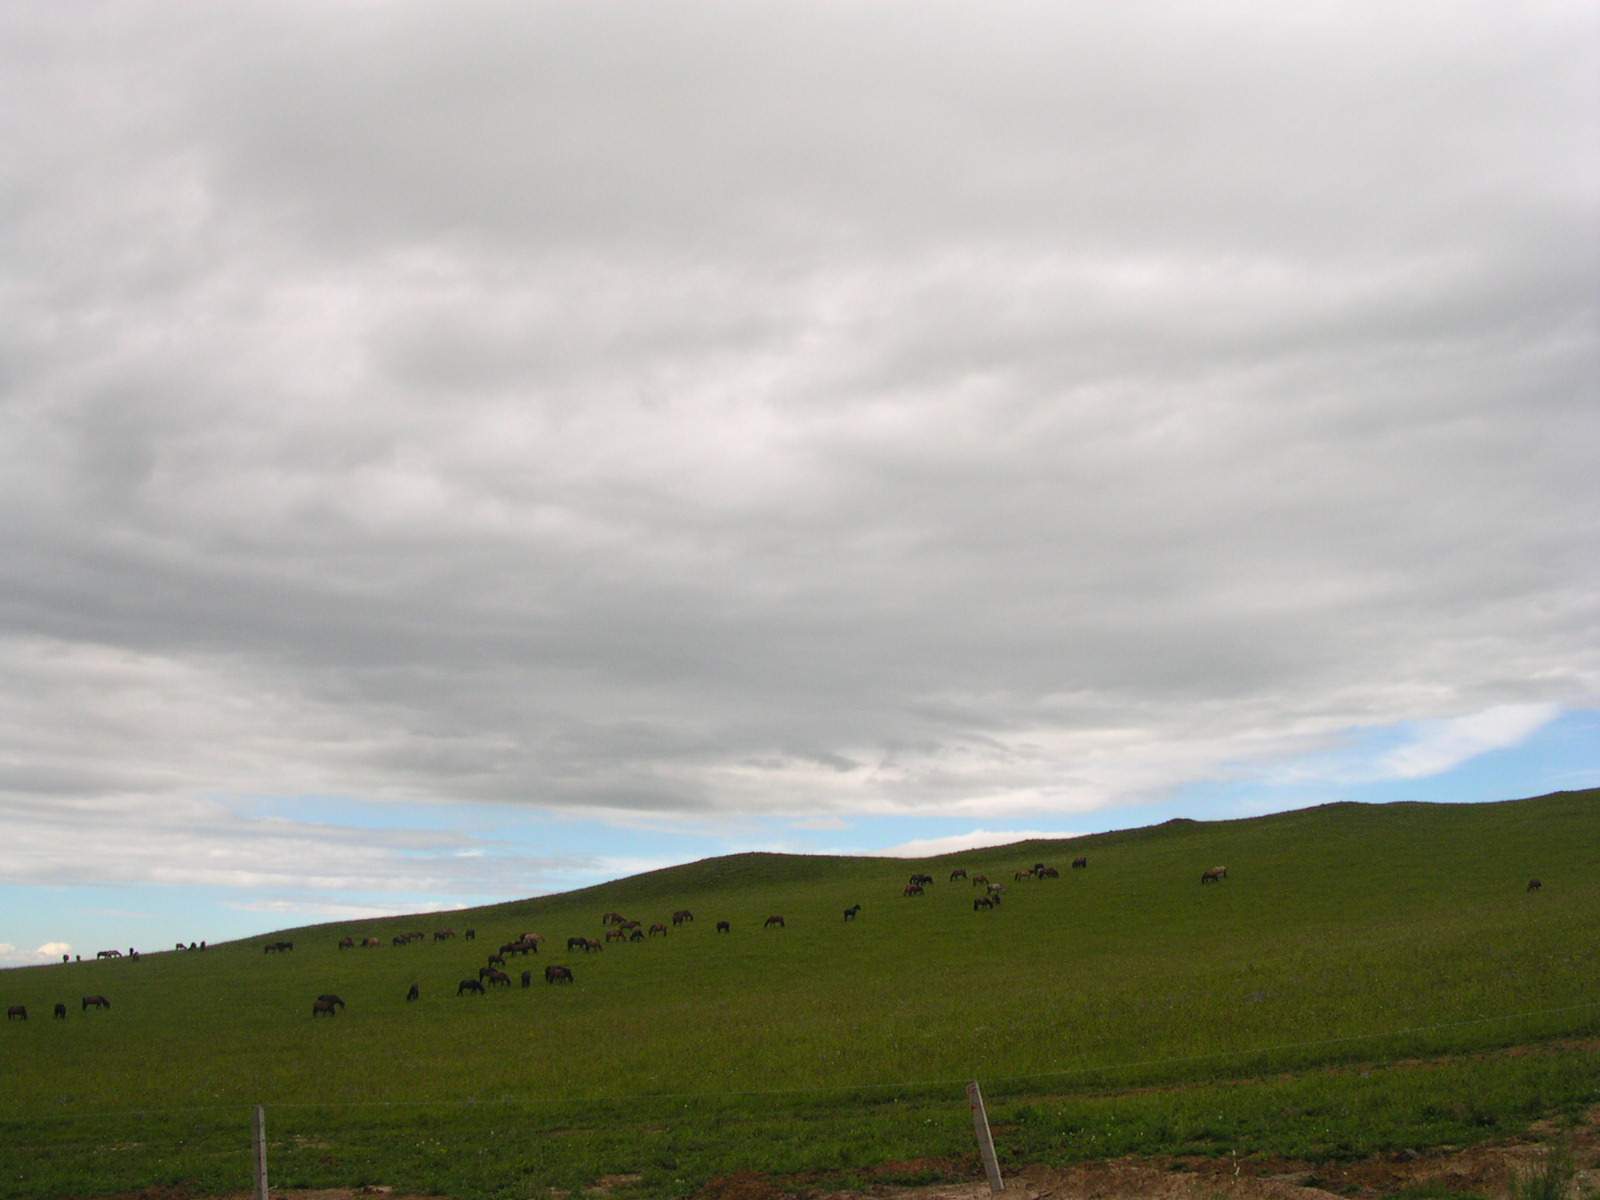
(1486, 1170)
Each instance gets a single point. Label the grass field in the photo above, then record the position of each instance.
(1367, 977)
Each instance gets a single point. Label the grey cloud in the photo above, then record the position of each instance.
(703, 411)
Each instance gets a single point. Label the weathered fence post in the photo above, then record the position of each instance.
(260, 1124)
(980, 1126)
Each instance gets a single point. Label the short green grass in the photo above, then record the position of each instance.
(1120, 1009)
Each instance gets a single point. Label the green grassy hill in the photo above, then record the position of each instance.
(1343, 934)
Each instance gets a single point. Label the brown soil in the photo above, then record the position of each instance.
(1486, 1170)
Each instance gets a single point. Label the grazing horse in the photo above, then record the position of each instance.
(658, 927)
(913, 889)
(95, 1002)
(531, 939)
(850, 913)
(1535, 884)
(636, 936)
(994, 889)
(469, 985)
(922, 880)
(977, 879)
(616, 935)
(612, 918)
(682, 915)
(724, 927)
(1214, 875)
(1080, 863)
(982, 902)
(17, 1012)
(592, 944)
(527, 979)
(1050, 873)
(1021, 875)
(61, 1012)
(558, 974)
(414, 993)
(336, 1001)
(771, 921)
(958, 873)
(496, 978)
(399, 940)
(320, 1007)
(345, 943)
(108, 954)
(485, 972)
(577, 943)
(371, 943)
(471, 935)
(443, 935)
(496, 960)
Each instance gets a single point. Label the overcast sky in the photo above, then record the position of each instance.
(455, 452)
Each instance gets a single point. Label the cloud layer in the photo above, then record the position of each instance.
(810, 411)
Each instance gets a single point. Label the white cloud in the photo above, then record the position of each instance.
(54, 949)
(1032, 420)
(1441, 745)
(977, 839)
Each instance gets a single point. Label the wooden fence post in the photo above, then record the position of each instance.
(980, 1126)
(260, 1124)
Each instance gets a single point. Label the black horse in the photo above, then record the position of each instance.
(577, 943)
(95, 1002)
(1080, 863)
(469, 985)
(17, 1012)
(323, 1008)
(850, 913)
(982, 902)
(61, 1012)
(332, 999)
(414, 994)
(527, 979)
(724, 927)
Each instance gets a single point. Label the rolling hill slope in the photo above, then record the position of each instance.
(1342, 934)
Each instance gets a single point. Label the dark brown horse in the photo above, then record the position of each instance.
(1080, 863)
(527, 979)
(682, 915)
(977, 879)
(17, 1012)
(371, 943)
(95, 1002)
(658, 927)
(558, 974)
(958, 873)
(471, 935)
(337, 1001)
(913, 889)
(443, 935)
(61, 1012)
(982, 902)
(414, 994)
(347, 943)
(497, 978)
(469, 985)
(771, 921)
(724, 927)
(1535, 884)
(324, 1008)
(851, 912)
(1213, 875)
(616, 935)
(577, 943)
